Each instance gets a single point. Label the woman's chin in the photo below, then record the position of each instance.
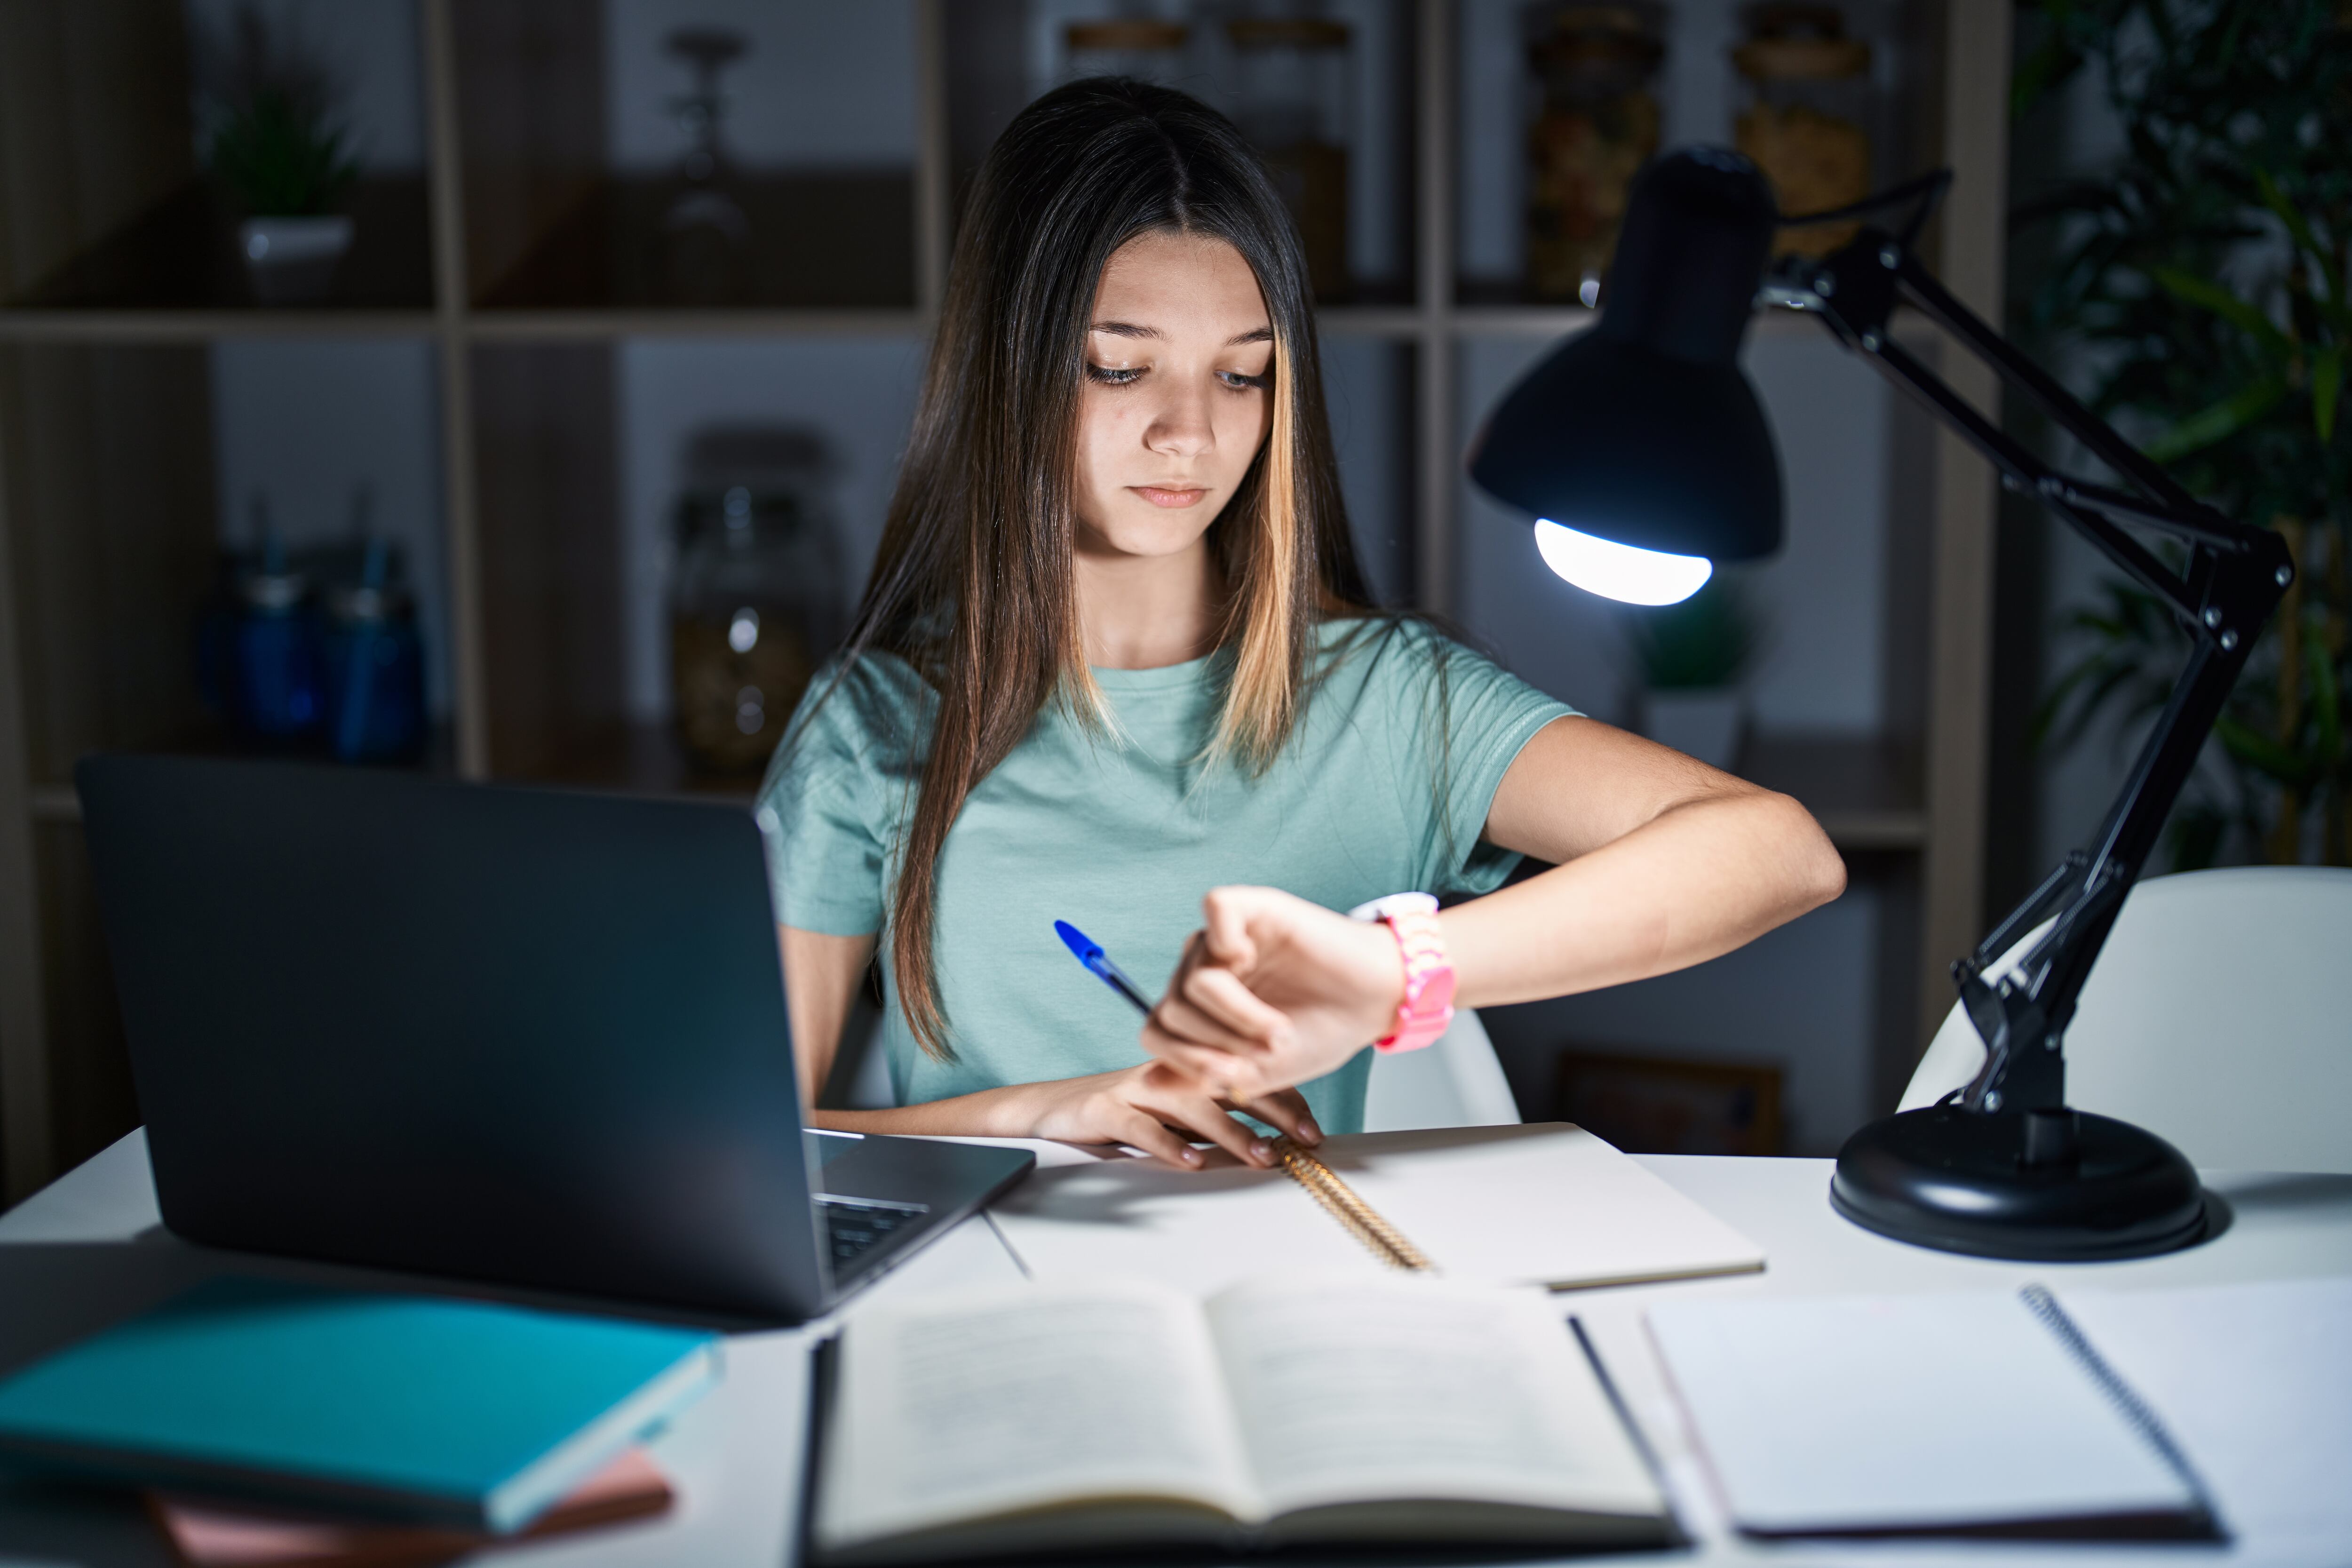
(1162, 533)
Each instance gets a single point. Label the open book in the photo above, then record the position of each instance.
(1120, 1415)
(1548, 1203)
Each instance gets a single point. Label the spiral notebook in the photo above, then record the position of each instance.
(1976, 1413)
(1547, 1204)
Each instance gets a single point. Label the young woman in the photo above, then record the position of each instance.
(1116, 657)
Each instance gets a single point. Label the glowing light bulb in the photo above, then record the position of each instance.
(1621, 572)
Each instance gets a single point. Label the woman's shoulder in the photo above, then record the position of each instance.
(859, 710)
(1411, 670)
(1388, 649)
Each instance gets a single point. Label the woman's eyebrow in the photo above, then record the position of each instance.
(1130, 330)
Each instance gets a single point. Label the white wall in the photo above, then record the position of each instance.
(304, 424)
(824, 84)
(1367, 388)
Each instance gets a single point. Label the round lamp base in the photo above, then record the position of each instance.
(1958, 1180)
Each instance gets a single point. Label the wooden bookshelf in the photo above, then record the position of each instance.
(526, 263)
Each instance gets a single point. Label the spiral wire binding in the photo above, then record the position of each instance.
(2135, 1410)
(1359, 1218)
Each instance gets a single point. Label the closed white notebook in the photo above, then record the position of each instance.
(1976, 1413)
(2255, 1383)
(1548, 1203)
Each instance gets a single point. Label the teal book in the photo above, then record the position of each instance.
(425, 1408)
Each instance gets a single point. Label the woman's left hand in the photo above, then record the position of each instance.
(1274, 991)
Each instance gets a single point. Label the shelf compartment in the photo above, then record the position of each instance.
(181, 254)
(840, 240)
(109, 506)
(1000, 55)
(545, 475)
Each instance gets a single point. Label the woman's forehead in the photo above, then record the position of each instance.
(1167, 285)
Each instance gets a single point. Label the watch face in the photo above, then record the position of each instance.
(1395, 904)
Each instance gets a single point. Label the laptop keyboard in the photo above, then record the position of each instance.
(854, 1228)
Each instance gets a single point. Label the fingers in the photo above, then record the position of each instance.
(1208, 1070)
(1224, 924)
(1175, 1098)
(1179, 1017)
(1141, 1129)
(1254, 1024)
(1286, 1109)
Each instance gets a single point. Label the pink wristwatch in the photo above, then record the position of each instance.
(1428, 1005)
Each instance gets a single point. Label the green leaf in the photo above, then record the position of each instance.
(2218, 422)
(2259, 752)
(2299, 228)
(2326, 702)
(2239, 314)
(2326, 381)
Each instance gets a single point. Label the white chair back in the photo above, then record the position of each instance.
(1457, 1082)
(2216, 1017)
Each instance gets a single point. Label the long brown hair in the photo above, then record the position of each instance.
(973, 584)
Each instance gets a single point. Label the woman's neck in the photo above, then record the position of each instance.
(1144, 612)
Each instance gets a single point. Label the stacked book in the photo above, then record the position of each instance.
(279, 1424)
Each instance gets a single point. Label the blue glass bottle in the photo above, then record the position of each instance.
(274, 664)
(375, 668)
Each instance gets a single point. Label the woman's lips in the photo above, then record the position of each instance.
(1167, 498)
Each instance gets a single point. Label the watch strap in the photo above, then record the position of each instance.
(1427, 1009)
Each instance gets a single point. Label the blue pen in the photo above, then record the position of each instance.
(1088, 951)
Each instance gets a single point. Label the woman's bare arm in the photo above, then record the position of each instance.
(822, 974)
(1147, 1106)
(1660, 862)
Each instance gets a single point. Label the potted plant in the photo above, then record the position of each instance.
(2203, 282)
(1691, 657)
(274, 142)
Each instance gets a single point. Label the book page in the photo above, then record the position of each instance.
(1547, 1205)
(972, 1403)
(1414, 1388)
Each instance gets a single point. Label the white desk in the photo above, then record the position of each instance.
(90, 1250)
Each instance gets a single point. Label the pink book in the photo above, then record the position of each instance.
(207, 1533)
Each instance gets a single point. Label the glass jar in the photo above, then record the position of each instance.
(1807, 117)
(755, 605)
(1294, 98)
(1144, 47)
(1598, 126)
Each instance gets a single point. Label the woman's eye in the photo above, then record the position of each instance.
(1109, 377)
(1241, 383)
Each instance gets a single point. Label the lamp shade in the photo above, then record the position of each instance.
(1644, 431)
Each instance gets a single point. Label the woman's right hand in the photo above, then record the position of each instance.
(1155, 1109)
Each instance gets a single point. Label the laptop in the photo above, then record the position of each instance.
(525, 1036)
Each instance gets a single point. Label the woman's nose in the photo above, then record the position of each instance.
(1180, 426)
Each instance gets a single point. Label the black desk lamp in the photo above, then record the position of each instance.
(1642, 451)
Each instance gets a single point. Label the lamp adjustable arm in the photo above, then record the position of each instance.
(2234, 578)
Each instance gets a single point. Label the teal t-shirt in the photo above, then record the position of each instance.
(1384, 786)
